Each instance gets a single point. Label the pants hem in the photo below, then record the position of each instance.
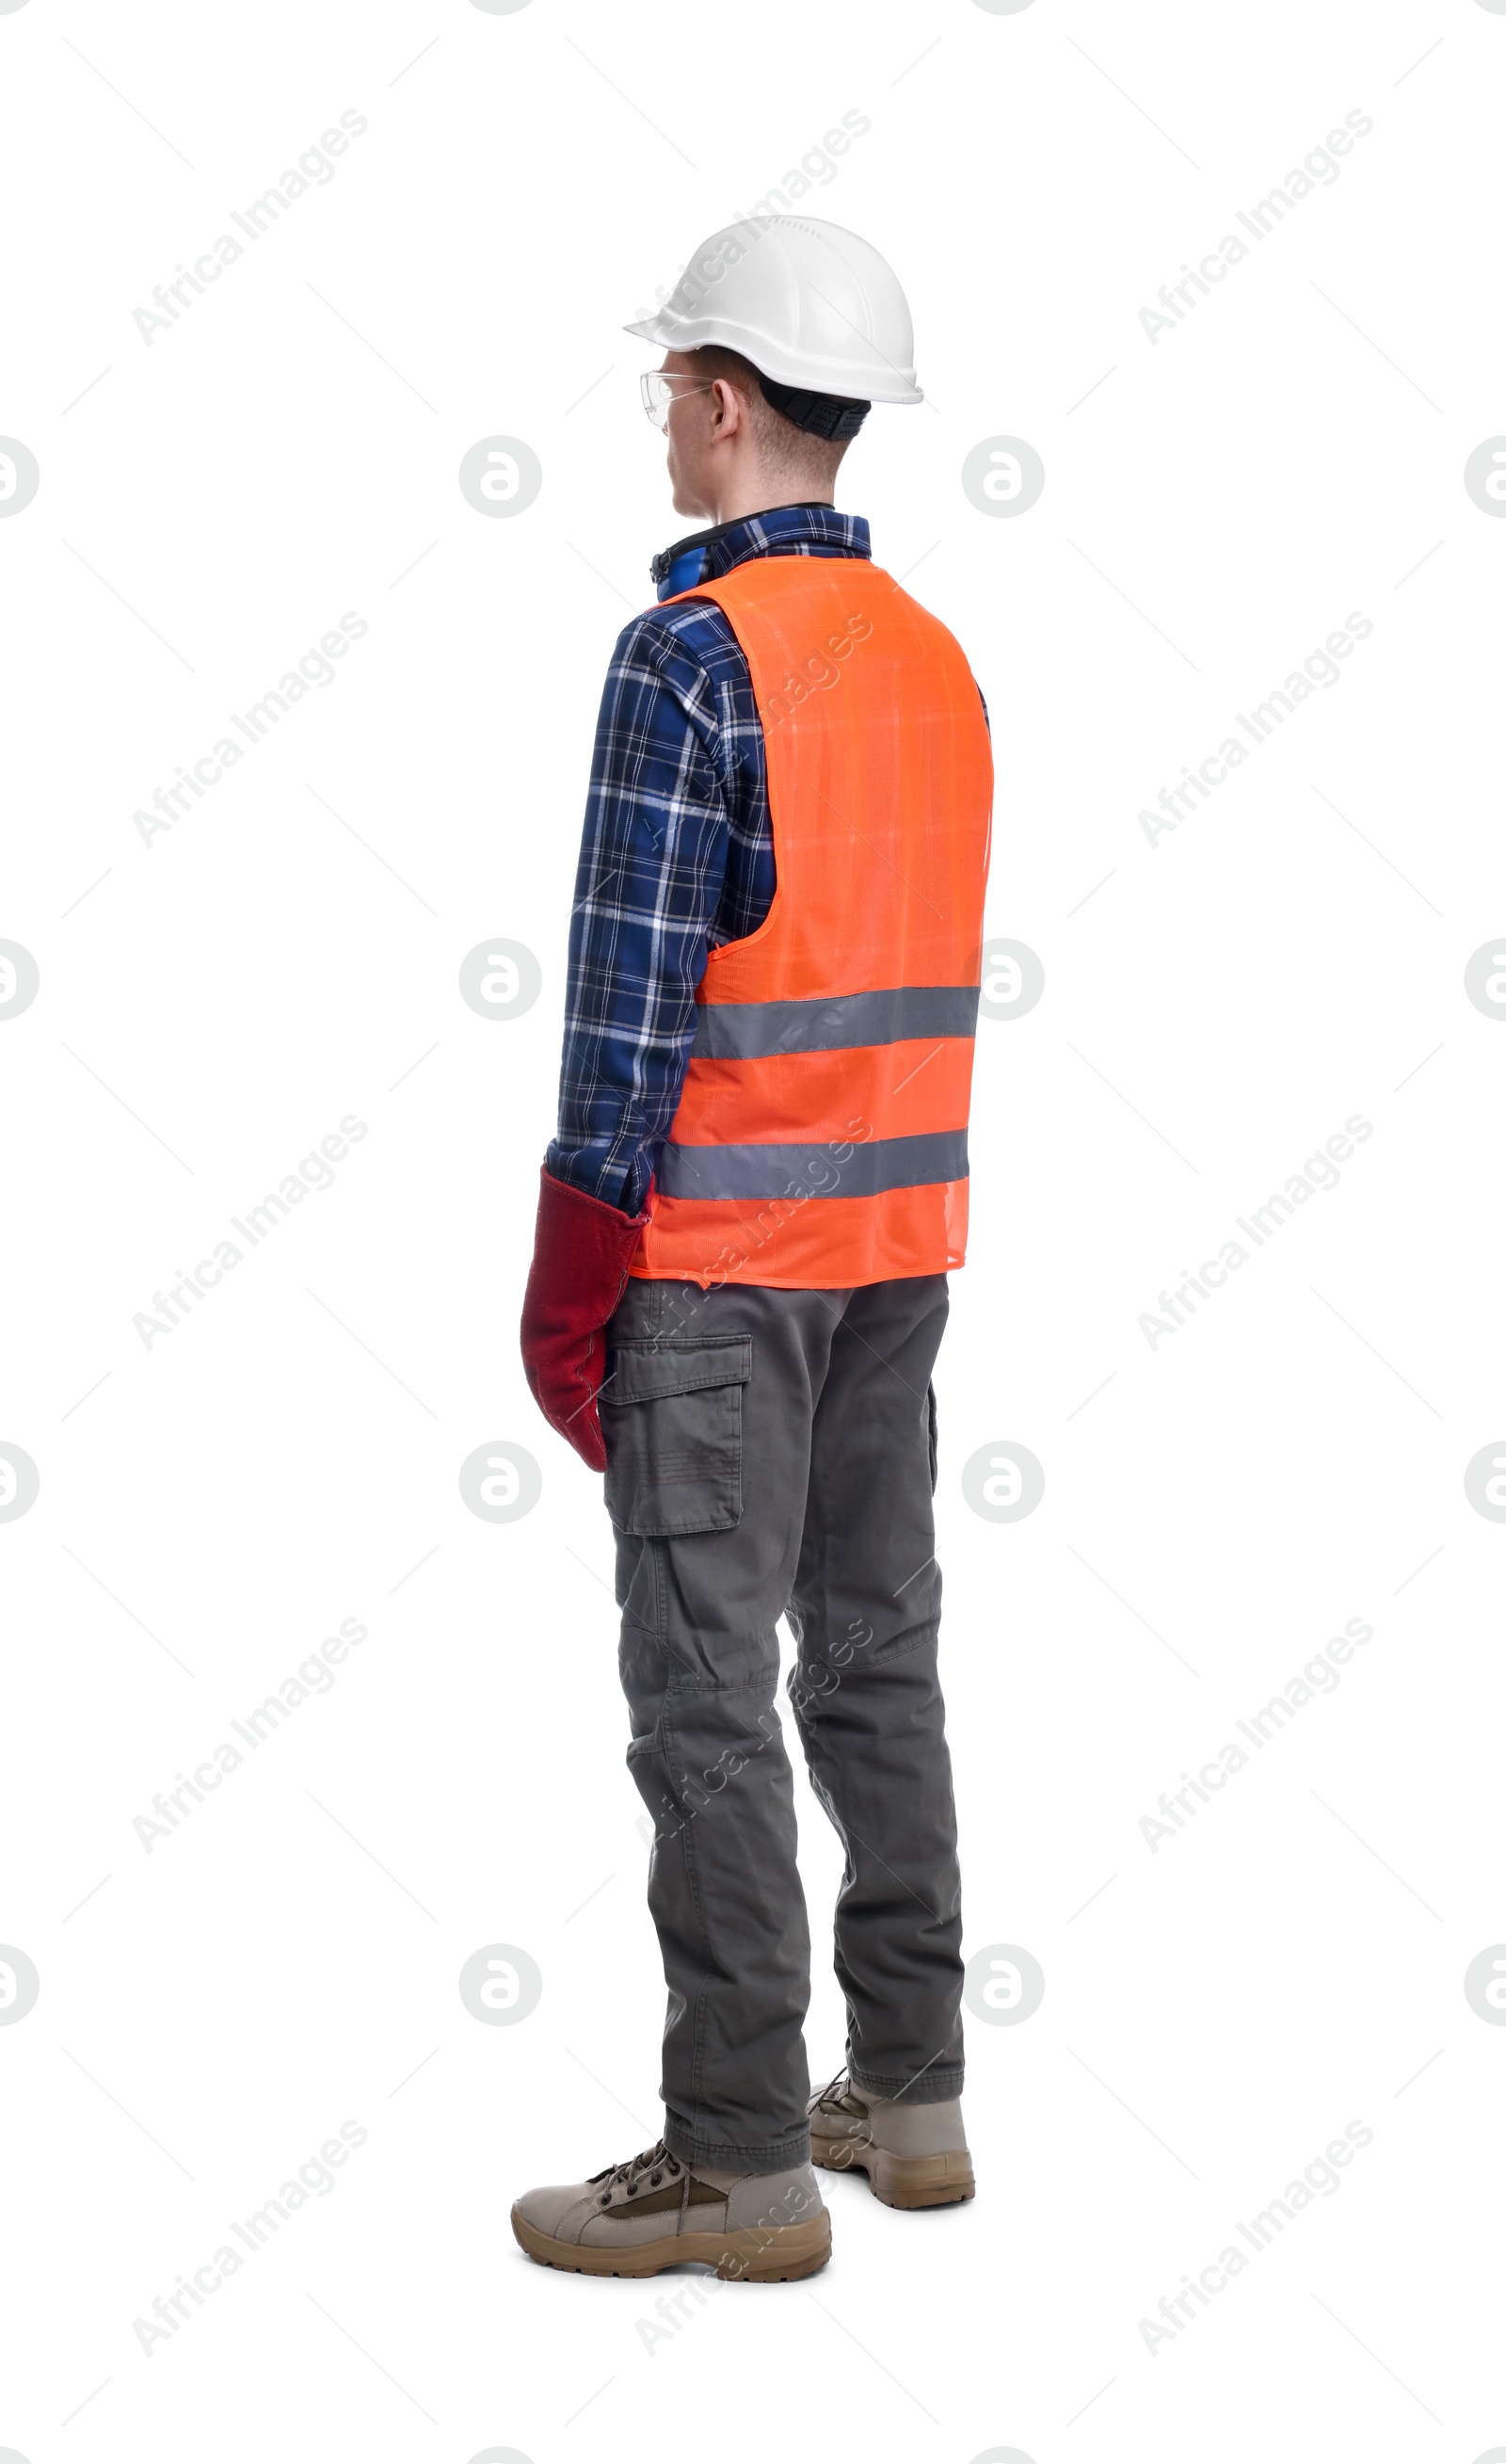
(935, 2086)
(773, 2156)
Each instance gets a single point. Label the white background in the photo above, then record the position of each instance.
(212, 1003)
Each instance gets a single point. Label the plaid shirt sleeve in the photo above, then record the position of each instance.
(676, 854)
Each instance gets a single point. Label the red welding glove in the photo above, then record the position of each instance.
(582, 1252)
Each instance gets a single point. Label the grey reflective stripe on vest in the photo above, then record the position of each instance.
(751, 1030)
(834, 1169)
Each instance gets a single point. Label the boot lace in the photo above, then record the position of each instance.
(653, 2166)
(839, 2096)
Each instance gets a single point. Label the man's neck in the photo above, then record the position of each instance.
(741, 503)
(776, 505)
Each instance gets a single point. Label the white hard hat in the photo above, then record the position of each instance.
(811, 305)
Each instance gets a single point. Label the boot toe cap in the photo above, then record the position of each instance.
(558, 2210)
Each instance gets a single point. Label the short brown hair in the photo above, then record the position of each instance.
(812, 459)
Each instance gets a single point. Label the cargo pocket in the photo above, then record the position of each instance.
(930, 1433)
(672, 1418)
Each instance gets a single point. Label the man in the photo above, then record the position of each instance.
(739, 1285)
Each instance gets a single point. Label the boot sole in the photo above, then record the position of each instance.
(900, 2181)
(777, 2256)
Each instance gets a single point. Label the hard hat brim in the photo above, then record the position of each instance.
(872, 381)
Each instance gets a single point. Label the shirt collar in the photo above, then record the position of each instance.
(782, 530)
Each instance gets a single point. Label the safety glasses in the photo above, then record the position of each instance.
(659, 393)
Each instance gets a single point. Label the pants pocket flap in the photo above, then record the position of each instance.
(640, 1372)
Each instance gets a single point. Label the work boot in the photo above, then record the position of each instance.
(657, 2212)
(914, 2155)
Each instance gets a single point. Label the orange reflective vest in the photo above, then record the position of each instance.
(821, 1135)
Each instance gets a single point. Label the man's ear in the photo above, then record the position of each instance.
(730, 410)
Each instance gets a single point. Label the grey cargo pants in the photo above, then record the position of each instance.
(774, 1452)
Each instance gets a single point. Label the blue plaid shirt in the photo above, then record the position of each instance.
(677, 854)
